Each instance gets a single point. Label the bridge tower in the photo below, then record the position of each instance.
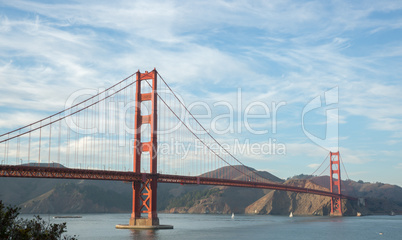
(335, 183)
(144, 191)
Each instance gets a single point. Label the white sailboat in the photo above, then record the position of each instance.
(291, 214)
(232, 215)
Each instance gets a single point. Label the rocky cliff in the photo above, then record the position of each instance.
(223, 200)
(282, 203)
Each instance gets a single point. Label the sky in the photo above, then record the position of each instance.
(322, 75)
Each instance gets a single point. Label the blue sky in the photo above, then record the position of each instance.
(273, 51)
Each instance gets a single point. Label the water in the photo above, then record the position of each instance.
(208, 226)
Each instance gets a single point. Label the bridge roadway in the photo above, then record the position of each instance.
(69, 173)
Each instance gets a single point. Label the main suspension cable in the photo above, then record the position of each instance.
(253, 171)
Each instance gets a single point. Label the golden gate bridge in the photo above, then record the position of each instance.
(140, 131)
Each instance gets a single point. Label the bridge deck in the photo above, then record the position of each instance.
(68, 173)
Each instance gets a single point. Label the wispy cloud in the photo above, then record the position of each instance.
(275, 51)
(313, 165)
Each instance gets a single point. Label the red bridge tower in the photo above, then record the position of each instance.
(144, 191)
(335, 184)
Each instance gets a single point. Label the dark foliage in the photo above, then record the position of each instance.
(12, 227)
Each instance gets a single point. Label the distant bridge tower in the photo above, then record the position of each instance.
(144, 191)
(335, 183)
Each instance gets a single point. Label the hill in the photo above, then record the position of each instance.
(218, 199)
(78, 196)
(365, 189)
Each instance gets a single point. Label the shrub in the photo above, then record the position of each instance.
(12, 227)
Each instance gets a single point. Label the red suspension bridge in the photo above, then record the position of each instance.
(140, 131)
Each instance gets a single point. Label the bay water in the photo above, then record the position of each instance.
(210, 226)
